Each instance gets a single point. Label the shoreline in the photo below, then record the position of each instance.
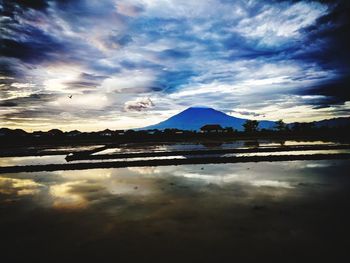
(88, 156)
(169, 162)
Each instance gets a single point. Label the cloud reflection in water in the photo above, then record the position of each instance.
(85, 188)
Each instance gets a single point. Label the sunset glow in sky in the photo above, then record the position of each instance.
(117, 64)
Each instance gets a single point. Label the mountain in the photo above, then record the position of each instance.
(332, 123)
(329, 123)
(195, 117)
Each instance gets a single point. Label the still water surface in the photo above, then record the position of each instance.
(282, 211)
(136, 148)
(83, 188)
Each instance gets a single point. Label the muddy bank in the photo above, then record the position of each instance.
(88, 156)
(165, 162)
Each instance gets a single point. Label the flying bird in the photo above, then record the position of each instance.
(70, 96)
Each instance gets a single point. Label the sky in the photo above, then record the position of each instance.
(120, 64)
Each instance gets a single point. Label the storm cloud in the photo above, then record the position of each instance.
(106, 63)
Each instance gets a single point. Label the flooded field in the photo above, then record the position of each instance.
(188, 213)
(60, 159)
(148, 154)
(281, 211)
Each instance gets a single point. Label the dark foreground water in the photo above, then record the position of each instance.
(296, 211)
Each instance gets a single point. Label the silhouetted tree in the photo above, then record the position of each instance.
(251, 126)
(303, 126)
(280, 126)
(229, 129)
(130, 133)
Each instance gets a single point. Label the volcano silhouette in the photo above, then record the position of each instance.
(195, 117)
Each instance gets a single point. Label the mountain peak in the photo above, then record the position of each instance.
(193, 118)
(199, 107)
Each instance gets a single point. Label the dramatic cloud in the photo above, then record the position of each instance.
(139, 104)
(98, 62)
